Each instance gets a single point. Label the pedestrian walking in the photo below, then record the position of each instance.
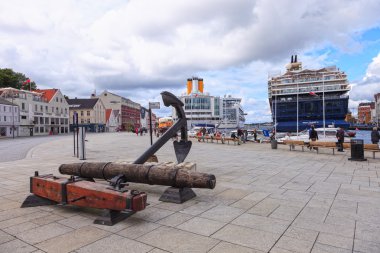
(255, 135)
(375, 136)
(340, 138)
(313, 135)
(137, 131)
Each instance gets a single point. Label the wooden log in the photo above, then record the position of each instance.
(170, 174)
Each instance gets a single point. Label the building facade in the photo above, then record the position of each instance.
(129, 117)
(365, 112)
(9, 119)
(376, 119)
(202, 109)
(91, 113)
(42, 112)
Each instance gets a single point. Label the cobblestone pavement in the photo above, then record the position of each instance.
(264, 201)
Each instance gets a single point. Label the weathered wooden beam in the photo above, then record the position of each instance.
(170, 174)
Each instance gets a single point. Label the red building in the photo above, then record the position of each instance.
(364, 112)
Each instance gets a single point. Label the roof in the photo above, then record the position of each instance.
(47, 93)
(82, 103)
(6, 102)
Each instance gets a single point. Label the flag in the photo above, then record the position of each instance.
(26, 82)
(312, 93)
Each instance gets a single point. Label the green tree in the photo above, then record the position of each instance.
(9, 78)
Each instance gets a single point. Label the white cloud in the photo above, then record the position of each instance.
(129, 46)
(364, 90)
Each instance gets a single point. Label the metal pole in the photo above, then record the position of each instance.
(297, 111)
(323, 105)
(150, 126)
(275, 113)
(13, 117)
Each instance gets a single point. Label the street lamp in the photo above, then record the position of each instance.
(323, 105)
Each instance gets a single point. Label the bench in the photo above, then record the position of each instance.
(327, 144)
(372, 148)
(293, 143)
(217, 139)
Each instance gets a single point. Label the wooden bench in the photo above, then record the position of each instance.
(327, 144)
(372, 148)
(293, 143)
(217, 139)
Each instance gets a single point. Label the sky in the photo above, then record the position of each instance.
(140, 48)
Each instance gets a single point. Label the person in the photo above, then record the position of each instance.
(313, 135)
(137, 131)
(375, 136)
(255, 134)
(340, 137)
(240, 135)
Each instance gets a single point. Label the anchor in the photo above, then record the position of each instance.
(117, 202)
(182, 147)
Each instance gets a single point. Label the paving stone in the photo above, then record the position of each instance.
(222, 213)
(366, 246)
(264, 208)
(156, 250)
(335, 240)
(288, 213)
(4, 237)
(115, 244)
(262, 223)
(175, 219)
(247, 237)
(294, 245)
(16, 246)
(301, 234)
(201, 226)
(43, 233)
(14, 230)
(225, 247)
(152, 214)
(72, 240)
(323, 248)
(139, 229)
(367, 231)
(76, 221)
(175, 240)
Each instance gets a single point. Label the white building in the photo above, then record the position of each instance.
(9, 119)
(204, 110)
(42, 112)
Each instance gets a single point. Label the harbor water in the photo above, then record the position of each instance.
(364, 135)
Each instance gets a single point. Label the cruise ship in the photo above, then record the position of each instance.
(204, 110)
(300, 97)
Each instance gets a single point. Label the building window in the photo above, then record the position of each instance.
(65, 110)
(5, 118)
(81, 121)
(88, 120)
(81, 113)
(41, 129)
(23, 117)
(23, 106)
(56, 99)
(88, 113)
(47, 121)
(46, 108)
(61, 100)
(36, 129)
(41, 108)
(35, 108)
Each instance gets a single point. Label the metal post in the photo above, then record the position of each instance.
(13, 117)
(297, 110)
(150, 126)
(323, 105)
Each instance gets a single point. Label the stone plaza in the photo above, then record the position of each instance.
(265, 200)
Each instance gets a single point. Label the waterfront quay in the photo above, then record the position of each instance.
(265, 200)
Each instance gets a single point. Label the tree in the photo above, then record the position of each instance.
(9, 78)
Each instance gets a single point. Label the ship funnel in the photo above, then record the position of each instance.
(291, 59)
(295, 58)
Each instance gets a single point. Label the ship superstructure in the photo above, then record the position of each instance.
(204, 110)
(300, 97)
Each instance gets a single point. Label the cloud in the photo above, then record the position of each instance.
(141, 45)
(365, 89)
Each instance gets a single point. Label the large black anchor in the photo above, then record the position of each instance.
(182, 147)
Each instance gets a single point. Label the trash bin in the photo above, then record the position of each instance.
(357, 150)
(273, 144)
